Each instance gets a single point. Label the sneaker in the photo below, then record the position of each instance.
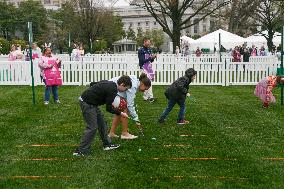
(182, 122)
(78, 153)
(112, 135)
(111, 146)
(151, 100)
(46, 102)
(128, 136)
(57, 101)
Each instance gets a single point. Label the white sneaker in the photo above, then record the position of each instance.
(46, 102)
(128, 136)
(112, 135)
(58, 101)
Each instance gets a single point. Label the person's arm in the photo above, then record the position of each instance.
(111, 94)
(141, 56)
(131, 94)
(43, 65)
(180, 84)
(58, 62)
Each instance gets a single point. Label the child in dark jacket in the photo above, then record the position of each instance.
(176, 93)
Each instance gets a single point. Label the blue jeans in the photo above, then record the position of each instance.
(48, 89)
(171, 104)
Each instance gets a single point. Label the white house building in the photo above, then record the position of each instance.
(48, 4)
(136, 17)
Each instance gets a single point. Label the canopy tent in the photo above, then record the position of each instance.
(211, 40)
(259, 40)
(186, 40)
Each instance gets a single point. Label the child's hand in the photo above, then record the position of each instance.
(124, 115)
(188, 95)
(138, 124)
(154, 56)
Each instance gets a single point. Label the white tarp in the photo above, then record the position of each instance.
(228, 40)
(259, 40)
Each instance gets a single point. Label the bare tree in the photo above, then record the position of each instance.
(238, 16)
(176, 15)
(269, 15)
(89, 12)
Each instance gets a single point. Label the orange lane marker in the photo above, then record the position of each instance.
(190, 135)
(177, 145)
(52, 145)
(195, 159)
(204, 177)
(33, 177)
(185, 145)
(205, 158)
(45, 159)
(276, 159)
(46, 145)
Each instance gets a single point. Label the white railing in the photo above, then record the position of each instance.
(210, 71)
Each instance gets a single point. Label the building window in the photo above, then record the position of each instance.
(187, 31)
(204, 28)
(138, 24)
(130, 24)
(147, 23)
(56, 2)
(155, 23)
(195, 28)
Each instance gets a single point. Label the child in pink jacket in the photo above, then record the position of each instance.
(50, 73)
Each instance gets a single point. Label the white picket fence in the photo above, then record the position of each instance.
(210, 70)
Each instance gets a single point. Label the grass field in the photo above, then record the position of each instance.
(231, 142)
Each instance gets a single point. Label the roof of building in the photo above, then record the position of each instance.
(124, 41)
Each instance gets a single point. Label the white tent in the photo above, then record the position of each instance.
(186, 40)
(259, 40)
(228, 40)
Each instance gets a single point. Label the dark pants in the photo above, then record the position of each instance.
(94, 120)
(171, 104)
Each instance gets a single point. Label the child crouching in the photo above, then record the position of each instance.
(176, 93)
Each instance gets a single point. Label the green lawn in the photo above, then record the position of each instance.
(229, 143)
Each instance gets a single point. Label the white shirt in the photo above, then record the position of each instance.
(130, 95)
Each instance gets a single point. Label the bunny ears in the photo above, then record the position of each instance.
(47, 45)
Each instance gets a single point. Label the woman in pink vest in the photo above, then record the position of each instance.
(50, 72)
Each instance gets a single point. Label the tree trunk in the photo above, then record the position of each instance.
(176, 36)
(269, 40)
(176, 41)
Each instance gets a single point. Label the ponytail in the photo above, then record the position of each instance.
(145, 80)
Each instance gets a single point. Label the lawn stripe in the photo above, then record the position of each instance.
(33, 177)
